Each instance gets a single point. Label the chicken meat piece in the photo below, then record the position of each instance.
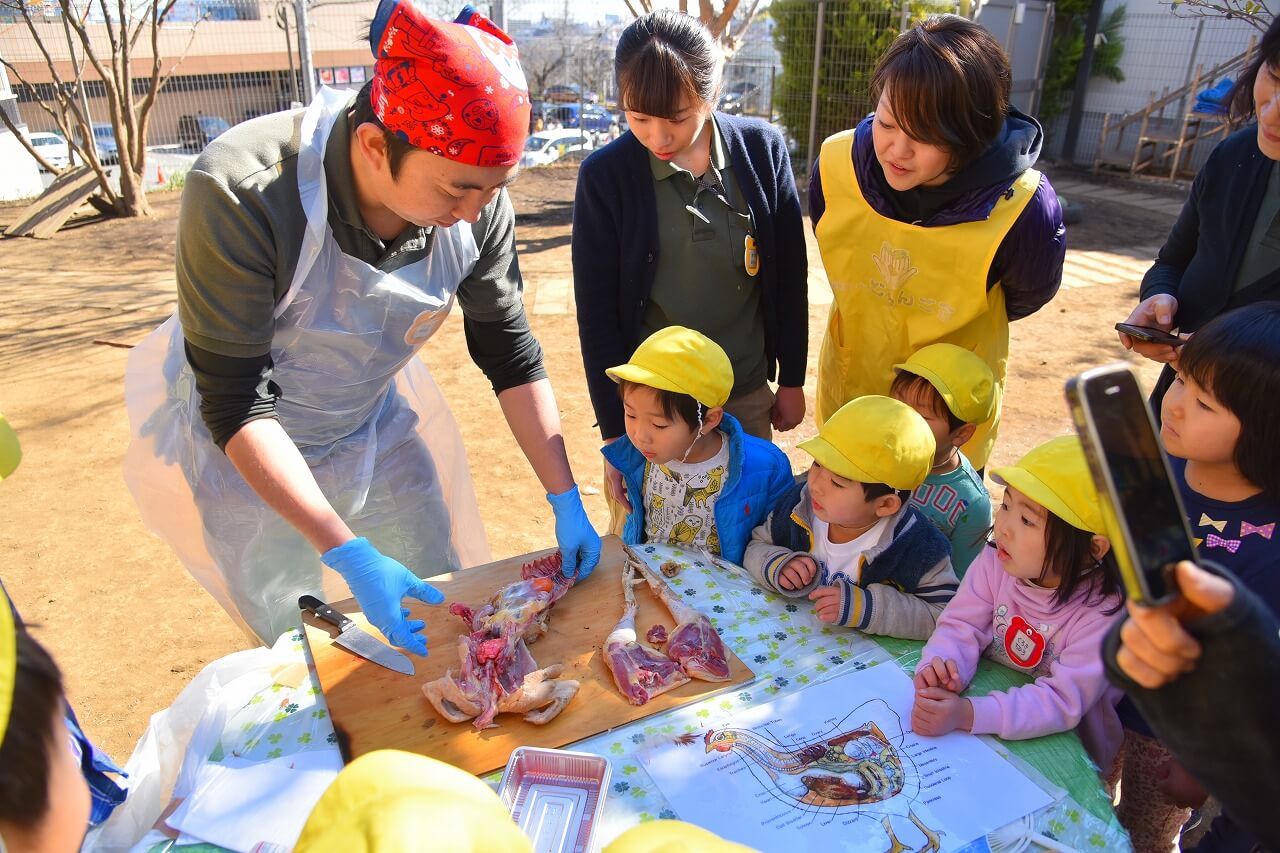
(539, 695)
(694, 643)
(640, 671)
(497, 674)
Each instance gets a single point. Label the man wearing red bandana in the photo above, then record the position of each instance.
(281, 423)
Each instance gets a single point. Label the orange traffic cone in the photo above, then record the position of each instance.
(160, 176)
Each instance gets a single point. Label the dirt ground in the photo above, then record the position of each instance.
(127, 624)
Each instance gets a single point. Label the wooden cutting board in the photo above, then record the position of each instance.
(375, 708)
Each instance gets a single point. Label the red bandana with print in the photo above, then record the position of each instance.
(454, 89)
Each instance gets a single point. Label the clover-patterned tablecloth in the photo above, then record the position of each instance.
(786, 646)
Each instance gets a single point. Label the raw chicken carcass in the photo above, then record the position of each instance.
(641, 672)
(694, 643)
(497, 673)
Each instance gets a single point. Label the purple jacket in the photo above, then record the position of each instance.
(1028, 263)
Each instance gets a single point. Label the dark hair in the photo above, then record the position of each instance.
(906, 383)
(362, 113)
(950, 82)
(662, 57)
(1240, 103)
(873, 491)
(1068, 555)
(675, 406)
(24, 754)
(1236, 358)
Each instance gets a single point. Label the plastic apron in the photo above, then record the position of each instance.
(899, 287)
(366, 415)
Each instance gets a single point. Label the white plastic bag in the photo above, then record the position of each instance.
(182, 735)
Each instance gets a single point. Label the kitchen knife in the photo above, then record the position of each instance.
(355, 639)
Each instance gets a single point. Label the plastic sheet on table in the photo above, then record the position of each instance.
(233, 713)
(788, 648)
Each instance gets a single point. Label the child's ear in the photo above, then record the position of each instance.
(712, 418)
(1099, 547)
(960, 437)
(887, 505)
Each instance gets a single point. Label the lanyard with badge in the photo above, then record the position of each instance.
(711, 182)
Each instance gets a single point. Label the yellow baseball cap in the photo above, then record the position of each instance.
(875, 440)
(1056, 476)
(8, 662)
(671, 836)
(964, 381)
(392, 800)
(681, 360)
(10, 450)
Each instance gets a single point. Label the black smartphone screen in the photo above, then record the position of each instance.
(1148, 504)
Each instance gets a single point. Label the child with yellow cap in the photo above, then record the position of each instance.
(45, 803)
(692, 475)
(849, 537)
(955, 392)
(54, 783)
(1039, 599)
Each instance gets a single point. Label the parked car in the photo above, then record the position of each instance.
(104, 140)
(592, 117)
(548, 146)
(563, 94)
(52, 147)
(197, 131)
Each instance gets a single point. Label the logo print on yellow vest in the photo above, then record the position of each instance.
(896, 269)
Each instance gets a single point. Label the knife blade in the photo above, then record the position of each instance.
(355, 639)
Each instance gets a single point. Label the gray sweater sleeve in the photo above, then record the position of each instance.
(893, 612)
(492, 300)
(225, 268)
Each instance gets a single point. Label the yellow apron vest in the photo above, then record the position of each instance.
(899, 287)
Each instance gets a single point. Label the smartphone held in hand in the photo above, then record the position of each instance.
(1144, 515)
(1150, 334)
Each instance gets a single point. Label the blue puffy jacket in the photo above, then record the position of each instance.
(759, 474)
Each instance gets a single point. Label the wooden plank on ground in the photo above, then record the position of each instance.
(54, 207)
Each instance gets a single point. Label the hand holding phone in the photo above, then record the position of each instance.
(1155, 648)
(1154, 312)
(1150, 334)
(1141, 507)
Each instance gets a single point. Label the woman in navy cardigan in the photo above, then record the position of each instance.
(690, 218)
(1224, 250)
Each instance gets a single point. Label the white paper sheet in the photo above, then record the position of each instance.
(787, 781)
(242, 807)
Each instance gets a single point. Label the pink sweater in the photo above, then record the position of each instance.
(1016, 623)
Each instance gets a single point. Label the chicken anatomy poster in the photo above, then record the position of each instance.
(834, 767)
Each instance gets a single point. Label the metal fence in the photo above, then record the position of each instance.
(805, 65)
(1161, 54)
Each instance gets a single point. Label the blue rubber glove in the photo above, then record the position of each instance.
(379, 583)
(579, 543)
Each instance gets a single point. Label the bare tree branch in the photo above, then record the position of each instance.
(25, 143)
(60, 120)
(746, 22)
(721, 24)
(1255, 13)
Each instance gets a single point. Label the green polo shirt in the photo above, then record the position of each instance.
(701, 280)
(1262, 255)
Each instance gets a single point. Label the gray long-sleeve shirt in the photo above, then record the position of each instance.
(240, 231)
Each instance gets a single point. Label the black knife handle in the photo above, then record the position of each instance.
(315, 606)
